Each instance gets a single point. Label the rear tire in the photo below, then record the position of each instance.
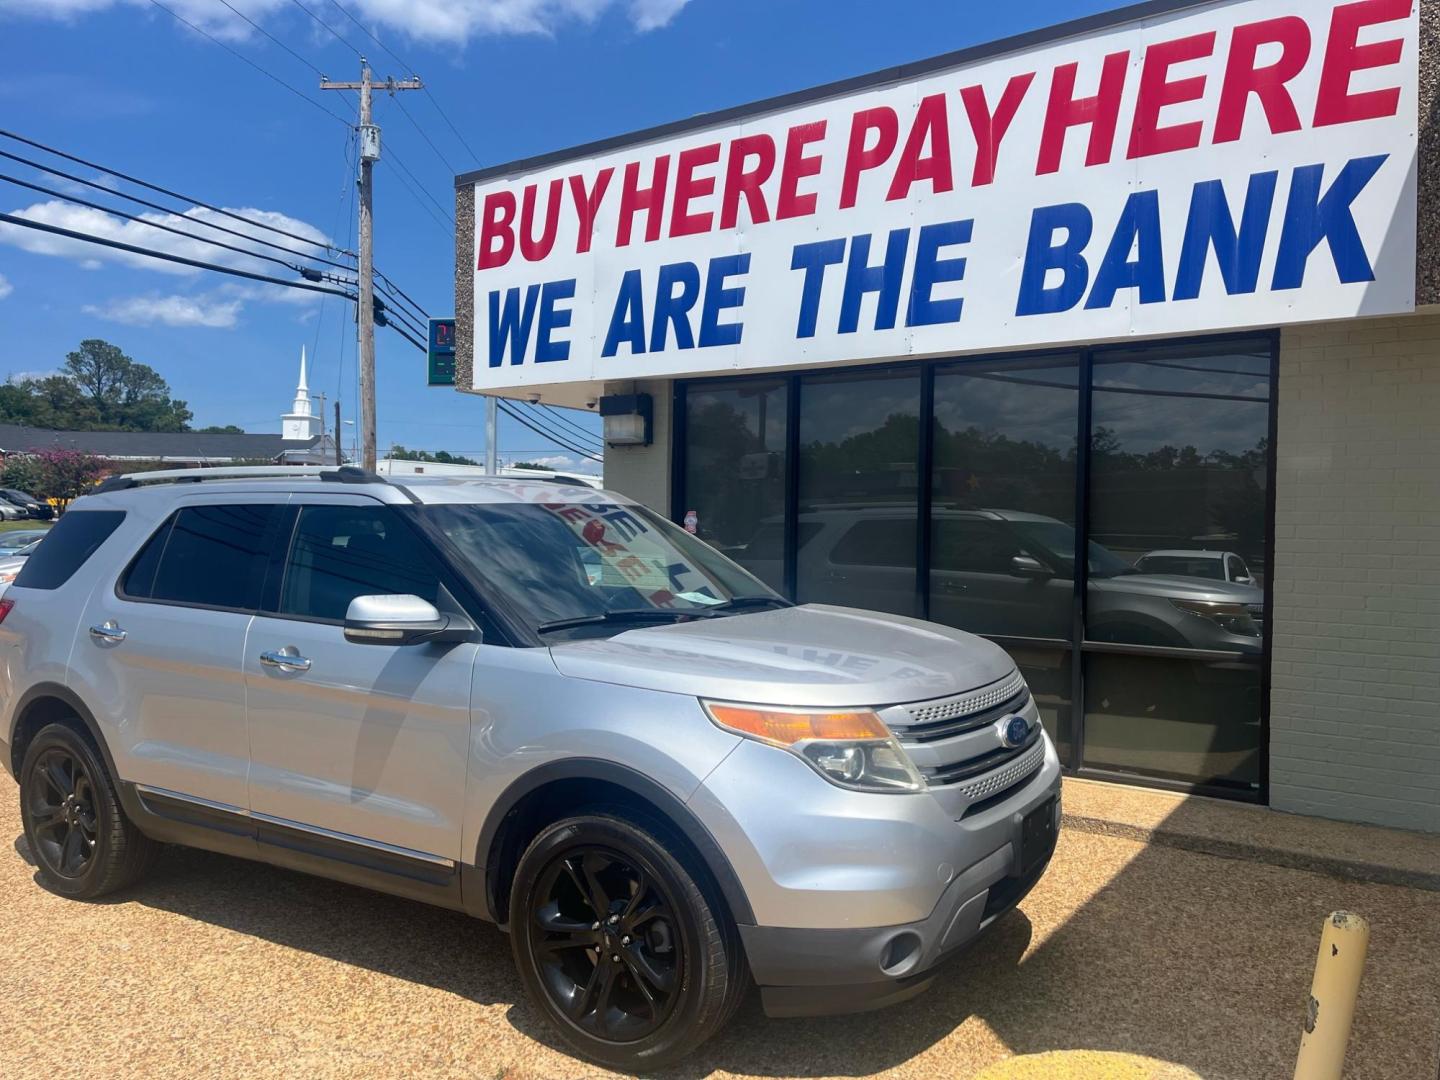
(619, 944)
(83, 844)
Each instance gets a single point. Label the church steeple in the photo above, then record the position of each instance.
(300, 424)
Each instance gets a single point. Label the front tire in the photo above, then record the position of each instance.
(83, 844)
(618, 943)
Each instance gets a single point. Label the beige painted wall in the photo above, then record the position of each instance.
(1355, 695)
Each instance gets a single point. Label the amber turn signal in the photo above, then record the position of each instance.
(788, 728)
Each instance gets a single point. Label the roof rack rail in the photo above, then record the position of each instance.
(344, 474)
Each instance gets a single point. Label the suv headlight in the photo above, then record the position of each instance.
(1232, 618)
(852, 749)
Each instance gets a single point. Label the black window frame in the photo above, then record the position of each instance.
(1074, 644)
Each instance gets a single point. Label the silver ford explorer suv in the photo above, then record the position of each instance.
(540, 704)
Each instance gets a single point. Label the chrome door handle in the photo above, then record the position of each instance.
(285, 661)
(108, 632)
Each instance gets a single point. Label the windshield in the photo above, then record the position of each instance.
(12, 541)
(597, 563)
(1057, 541)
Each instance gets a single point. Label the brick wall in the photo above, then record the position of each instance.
(1355, 699)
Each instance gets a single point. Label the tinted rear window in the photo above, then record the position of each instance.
(211, 556)
(75, 537)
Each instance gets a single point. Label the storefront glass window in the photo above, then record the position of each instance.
(1003, 511)
(1170, 667)
(859, 490)
(1178, 469)
(735, 472)
(1002, 548)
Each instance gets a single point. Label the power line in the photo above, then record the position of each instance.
(429, 142)
(366, 31)
(163, 191)
(172, 212)
(518, 416)
(153, 224)
(406, 169)
(406, 335)
(558, 416)
(322, 23)
(418, 309)
(272, 37)
(245, 59)
(26, 223)
(433, 216)
(515, 415)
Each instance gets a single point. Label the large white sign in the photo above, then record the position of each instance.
(1233, 165)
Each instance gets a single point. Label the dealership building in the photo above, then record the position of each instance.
(1145, 286)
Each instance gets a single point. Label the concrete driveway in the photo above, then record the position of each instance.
(220, 968)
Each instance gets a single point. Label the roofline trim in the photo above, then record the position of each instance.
(904, 72)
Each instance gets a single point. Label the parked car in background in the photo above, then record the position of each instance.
(11, 511)
(541, 704)
(38, 509)
(1213, 565)
(15, 548)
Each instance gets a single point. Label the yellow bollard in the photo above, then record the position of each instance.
(1343, 942)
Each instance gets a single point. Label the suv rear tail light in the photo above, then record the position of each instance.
(5, 605)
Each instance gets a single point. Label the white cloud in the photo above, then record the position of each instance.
(5, 287)
(169, 311)
(562, 462)
(428, 20)
(140, 234)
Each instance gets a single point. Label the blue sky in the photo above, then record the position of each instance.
(122, 83)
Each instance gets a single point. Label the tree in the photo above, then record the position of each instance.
(216, 429)
(125, 395)
(533, 465)
(63, 475)
(23, 472)
(439, 457)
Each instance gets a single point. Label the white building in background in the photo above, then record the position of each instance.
(400, 467)
(301, 424)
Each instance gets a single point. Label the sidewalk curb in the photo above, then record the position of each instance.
(1346, 869)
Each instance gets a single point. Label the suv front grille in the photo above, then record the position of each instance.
(966, 704)
(982, 763)
(976, 768)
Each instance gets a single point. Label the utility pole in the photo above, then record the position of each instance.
(369, 154)
(492, 426)
(339, 434)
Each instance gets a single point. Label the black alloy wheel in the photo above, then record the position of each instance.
(83, 844)
(609, 954)
(60, 806)
(622, 941)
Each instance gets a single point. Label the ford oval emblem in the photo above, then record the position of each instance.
(1014, 731)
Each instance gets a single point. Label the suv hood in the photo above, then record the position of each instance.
(810, 656)
(1180, 588)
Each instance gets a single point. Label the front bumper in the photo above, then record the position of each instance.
(806, 972)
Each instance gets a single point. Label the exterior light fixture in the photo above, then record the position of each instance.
(628, 419)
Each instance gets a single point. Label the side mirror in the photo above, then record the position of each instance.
(1029, 567)
(1244, 579)
(401, 620)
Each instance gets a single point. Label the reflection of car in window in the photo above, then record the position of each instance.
(1215, 565)
(1010, 574)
